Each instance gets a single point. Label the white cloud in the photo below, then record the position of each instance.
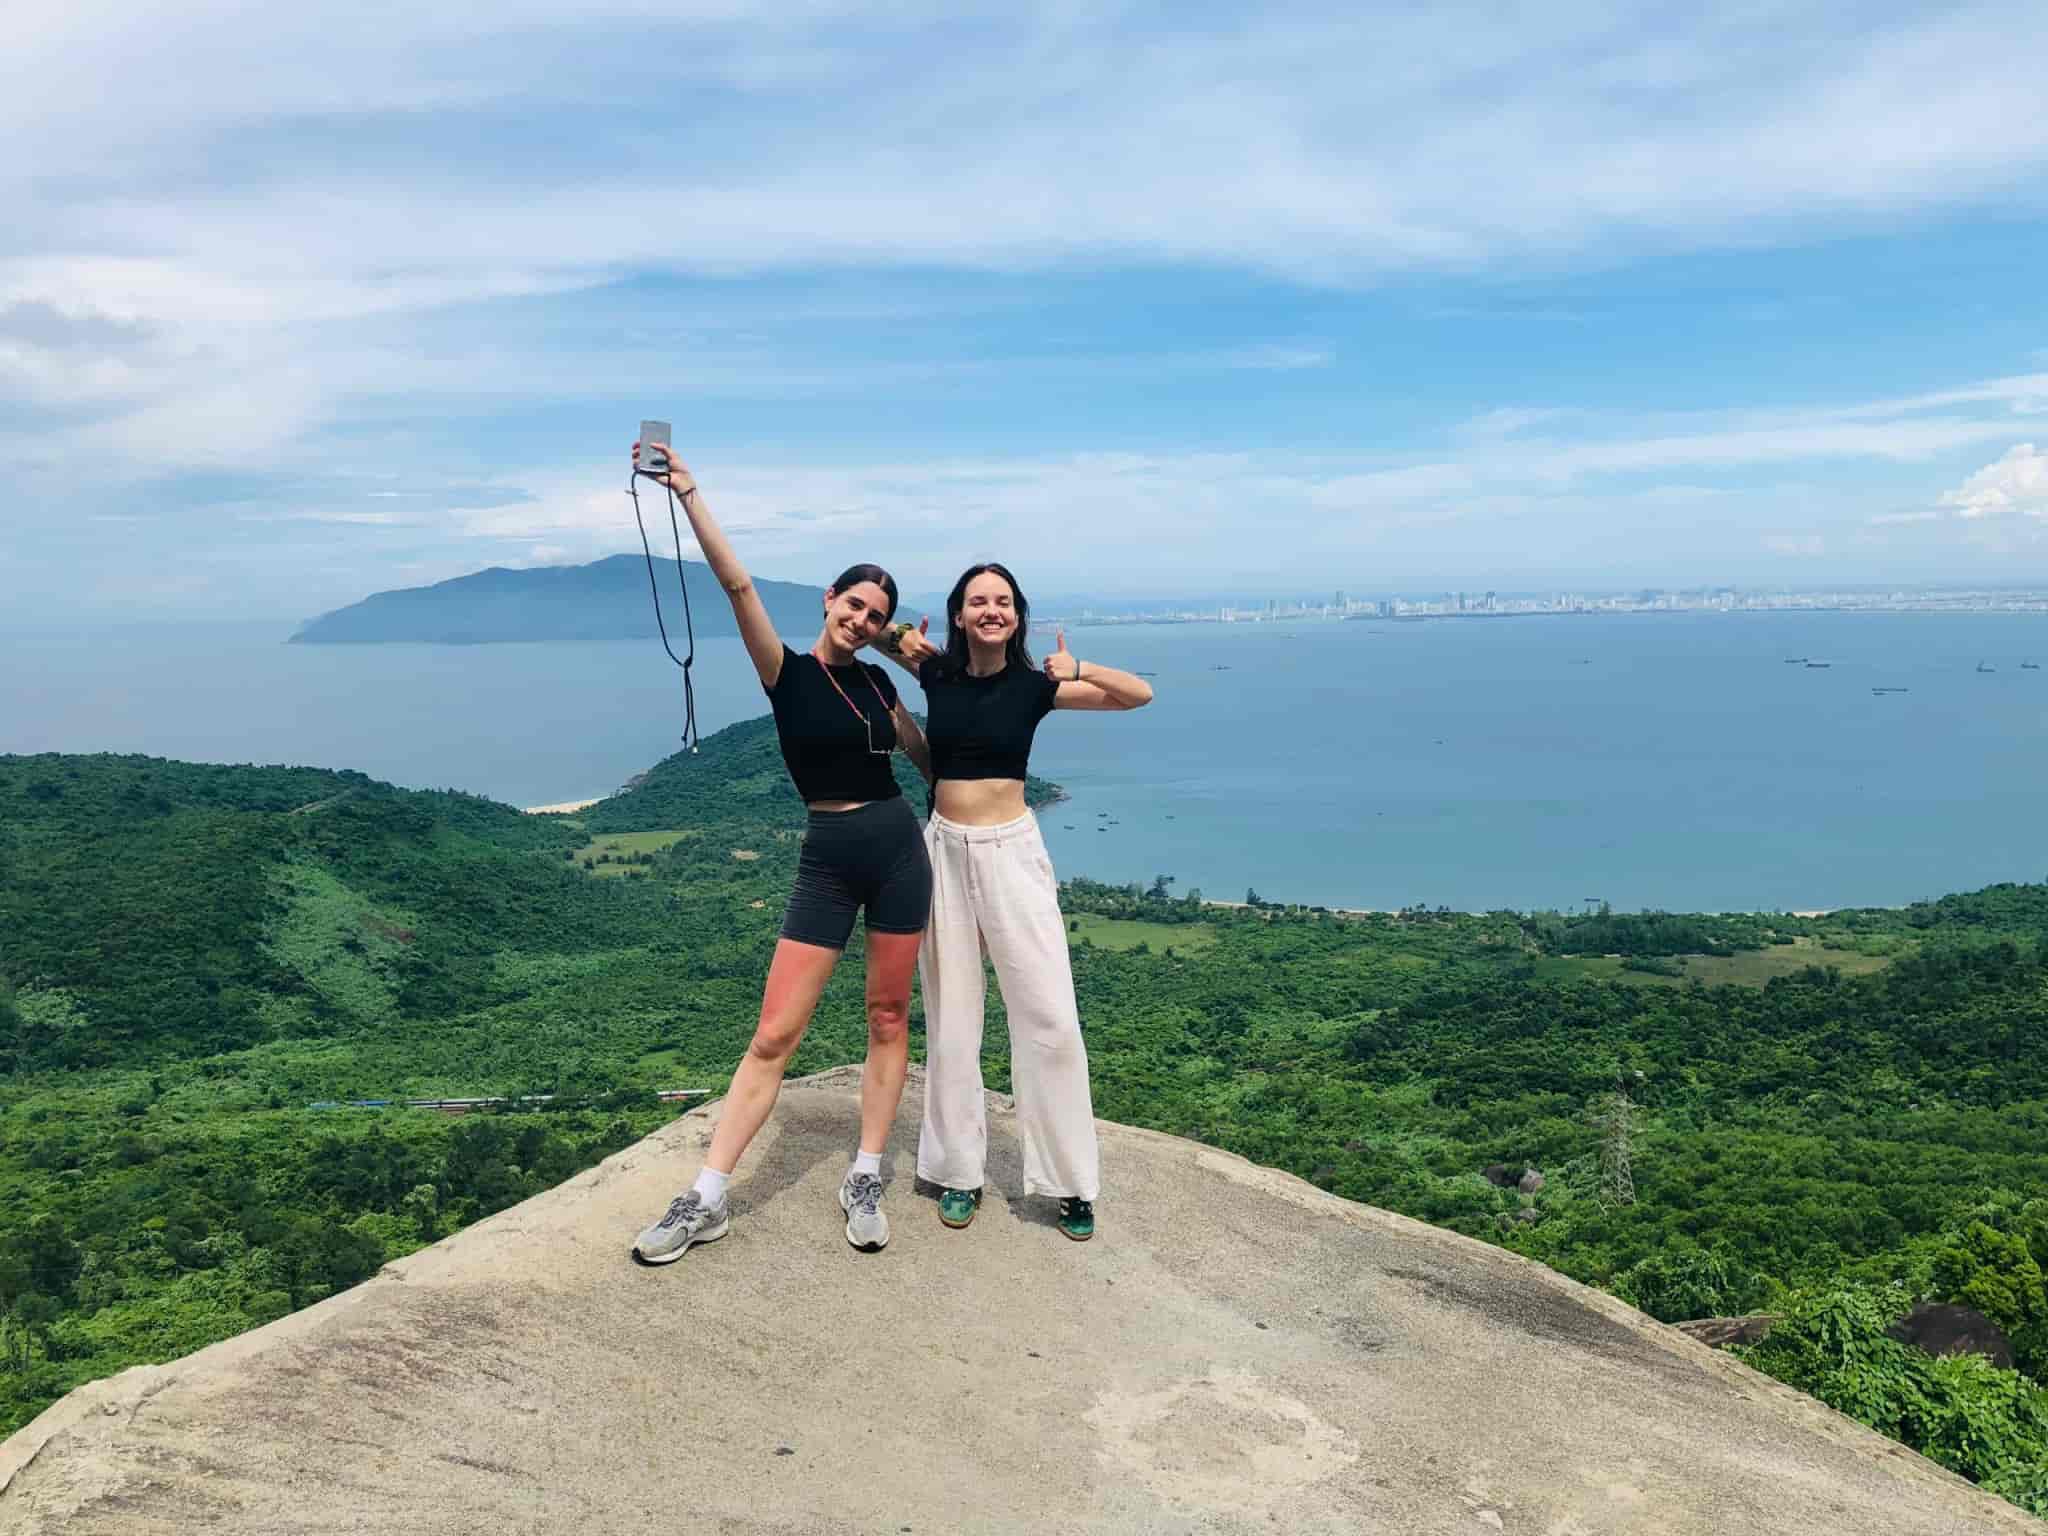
(1277, 357)
(350, 519)
(377, 152)
(2016, 482)
(1803, 545)
(1204, 513)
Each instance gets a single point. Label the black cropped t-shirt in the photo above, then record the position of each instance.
(837, 747)
(981, 727)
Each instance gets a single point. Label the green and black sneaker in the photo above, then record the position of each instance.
(957, 1206)
(1077, 1218)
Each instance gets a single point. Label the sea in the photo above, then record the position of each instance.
(1674, 761)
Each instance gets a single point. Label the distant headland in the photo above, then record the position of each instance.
(605, 600)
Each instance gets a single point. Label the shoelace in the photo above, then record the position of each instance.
(1074, 1205)
(680, 1207)
(867, 1192)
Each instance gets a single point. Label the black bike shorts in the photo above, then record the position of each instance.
(871, 856)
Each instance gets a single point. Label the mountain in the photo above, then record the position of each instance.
(605, 600)
(1238, 1352)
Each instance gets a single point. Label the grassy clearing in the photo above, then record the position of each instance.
(1751, 968)
(620, 847)
(670, 1067)
(1128, 933)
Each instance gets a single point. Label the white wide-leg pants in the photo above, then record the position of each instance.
(993, 888)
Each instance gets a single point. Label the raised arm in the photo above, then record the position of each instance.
(1090, 685)
(756, 628)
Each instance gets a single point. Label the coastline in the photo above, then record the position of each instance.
(570, 807)
(1239, 906)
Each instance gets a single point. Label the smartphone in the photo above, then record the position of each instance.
(654, 447)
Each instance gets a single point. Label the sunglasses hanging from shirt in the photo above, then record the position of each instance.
(866, 724)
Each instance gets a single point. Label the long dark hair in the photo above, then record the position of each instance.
(854, 575)
(1015, 652)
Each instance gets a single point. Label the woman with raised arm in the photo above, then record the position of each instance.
(838, 720)
(993, 888)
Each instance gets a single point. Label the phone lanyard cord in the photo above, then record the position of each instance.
(690, 736)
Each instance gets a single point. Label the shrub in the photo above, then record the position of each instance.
(1987, 1424)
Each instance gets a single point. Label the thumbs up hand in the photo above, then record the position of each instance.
(1062, 666)
(914, 644)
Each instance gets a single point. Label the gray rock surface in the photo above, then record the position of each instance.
(1943, 1328)
(1236, 1352)
(1724, 1331)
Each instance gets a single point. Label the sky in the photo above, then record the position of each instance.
(301, 302)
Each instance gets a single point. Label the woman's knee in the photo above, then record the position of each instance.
(773, 1047)
(1054, 1039)
(888, 1020)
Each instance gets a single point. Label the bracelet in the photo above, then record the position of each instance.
(1077, 669)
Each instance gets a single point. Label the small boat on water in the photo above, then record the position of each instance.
(1795, 661)
(1982, 668)
(1890, 690)
(2030, 666)
(1818, 666)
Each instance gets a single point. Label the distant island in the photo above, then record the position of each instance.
(604, 600)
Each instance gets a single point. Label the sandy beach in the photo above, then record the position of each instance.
(561, 809)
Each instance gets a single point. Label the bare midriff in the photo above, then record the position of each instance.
(835, 805)
(980, 802)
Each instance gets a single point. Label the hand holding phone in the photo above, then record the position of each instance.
(654, 454)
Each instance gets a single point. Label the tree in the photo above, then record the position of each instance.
(423, 1205)
(1996, 1273)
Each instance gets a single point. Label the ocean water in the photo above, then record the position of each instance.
(1672, 761)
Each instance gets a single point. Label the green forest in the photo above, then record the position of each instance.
(1828, 1119)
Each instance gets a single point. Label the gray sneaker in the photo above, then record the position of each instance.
(687, 1220)
(860, 1196)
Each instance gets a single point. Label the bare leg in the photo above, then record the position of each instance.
(796, 980)
(892, 960)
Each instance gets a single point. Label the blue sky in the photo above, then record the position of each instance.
(297, 303)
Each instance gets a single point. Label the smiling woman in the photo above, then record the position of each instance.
(995, 898)
(838, 720)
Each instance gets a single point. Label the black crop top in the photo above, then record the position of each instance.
(826, 748)
(981, 727)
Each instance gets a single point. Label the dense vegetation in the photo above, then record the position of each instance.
(1855, 1119)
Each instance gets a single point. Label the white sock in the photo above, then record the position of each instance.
(711, 1185)
(867, 1162)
